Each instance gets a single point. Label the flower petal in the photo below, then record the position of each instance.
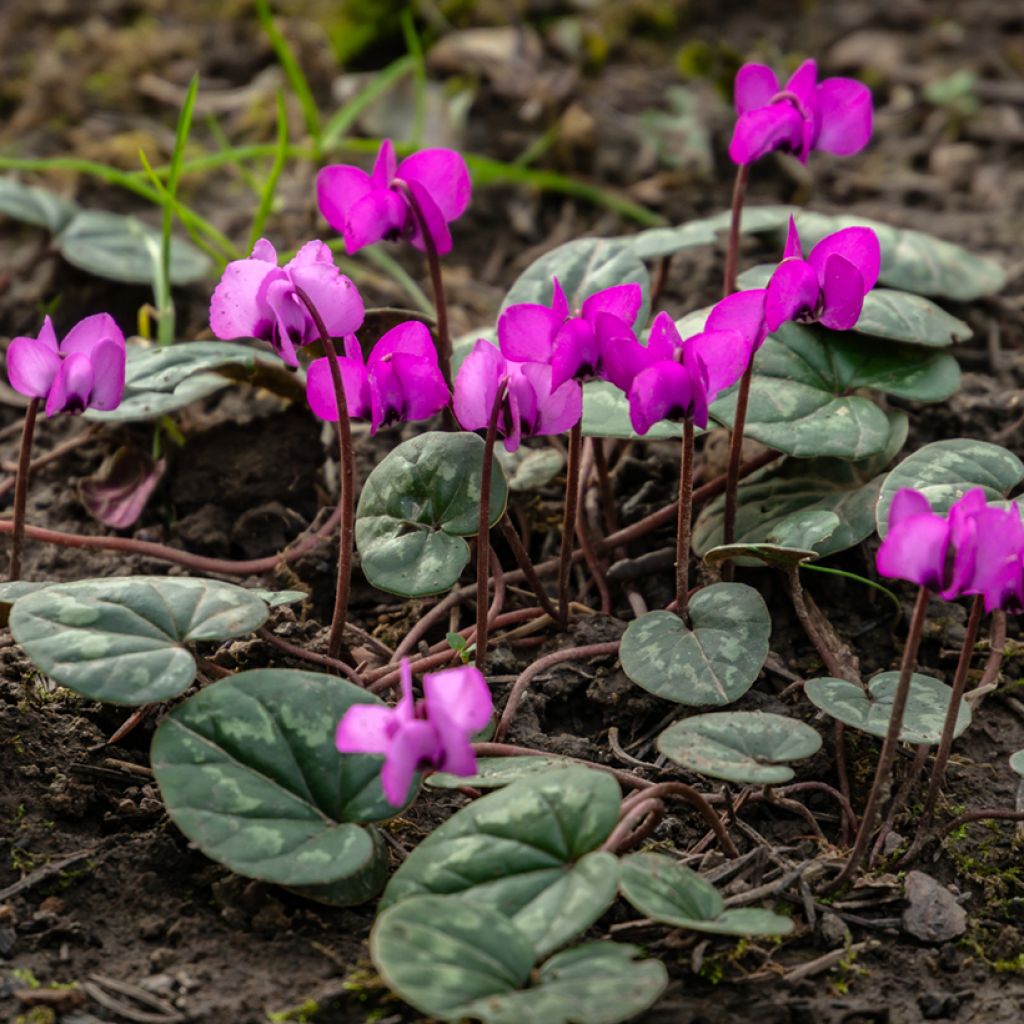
(235, 308)
(436, 225)
(760, 131)
(476, 385)
(802, 83)
(72, 387)
(320, 389)
(90, 332)
(336, 298)
(793, 249)
(725, 355)
(443, 174)
(666, 390)
(622, 356)
(415, 746)
(32, 366)
(366, 729)
(915, 550)
(845, 114)
(338, 188)
(754, 87)
(526, 332)
(461, 695)
(664, 340)
(405, 388)
(621, 300)
(384, 166)
(108, 363)
(743, 312)
(264, 250)
(575, 352)
(310, 254)
(792, 290)
(843, 294)
(857, 245)
(411, 337)
(378, 214)
(554, 410)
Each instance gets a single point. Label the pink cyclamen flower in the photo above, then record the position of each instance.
(829, 286)
(596, 340)
(400, 382)
(834, 115)
(366, 208)
(989, 542)
(85, 371)
(258, 299)
(432, 733)
(682, 378)
(530, 407)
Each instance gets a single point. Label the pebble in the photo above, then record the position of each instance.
(932, 913)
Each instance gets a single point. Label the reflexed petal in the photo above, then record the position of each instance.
(662, 391)
(725, 356)
(527, 331)
(462, 695)
(915, 550)
(845, 113)
(338, 188)
(32, 366)
(664, 340)
(412, 337)
(384, 166)
(437, 226)
(518, 394)
(375, 215)
(443, 174)
(622, 358)
(293, 326)
(47, 335)
(907, 504)
(311, 253)
(476, 385)
(793, 247)
(754, 87)
(264, 250)
(994, 548)
(90, 332)
(843, 294)
(406, 388)
(235, 309)
(336, 298)
(621, 300)
(555, 410)
(559, 303)
(108, 362)
(575, 352)
(793, 290)
(743, 312)
(366, 729)
(859, 246)
(415, 746)
(760, 131)
(320, 389)
(72, 387)
(802, 84)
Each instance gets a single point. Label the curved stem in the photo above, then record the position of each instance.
(700, 804)
(21, 488)
(483, 530)
(346, 499)
(572, 486)
(639, 821)
(300, 652)
(522, 556)
(684, 521)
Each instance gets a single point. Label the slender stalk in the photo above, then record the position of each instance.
(684, 521)
(732, 254)
(444, 340)
(572, 487)
(522, 557)
(637, 822)
(959, 685)
(892, 736)
(483, 531)
(832, 662)
(700, 803)
(347, 497)
(21, 488)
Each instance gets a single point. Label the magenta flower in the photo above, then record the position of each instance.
(432, 733)
(834, 115)
(989, 545)
(365, 208)
(257, 299)
(531, 406)
(596, 340)
(829, 286)
(682, 378)
(85, 371)
(400, 382)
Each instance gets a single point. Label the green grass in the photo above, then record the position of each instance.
(270, 185)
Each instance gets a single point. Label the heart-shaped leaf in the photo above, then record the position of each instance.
(944, 471)
(776, 554)
(36, 206)
(923, 720)
(656, 243)
(606, 414)
(1017, 762)
(121, 639)
(801, 400)
(715, 662)
(583, 266)
(495, 772)
(740, 746)
(125, 249)
(825, 505)
(662, 889)
(453, 959)
(530, 851)
(417, 506)
(249, 772)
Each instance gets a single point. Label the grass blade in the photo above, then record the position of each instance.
(270, 187)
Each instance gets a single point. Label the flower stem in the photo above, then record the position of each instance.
(522, 556)
(572, 487)
(684, 521)
(346, 498)
(21, 488)
(732, 254)
(892, 737)
(959, 685)
(483, 531)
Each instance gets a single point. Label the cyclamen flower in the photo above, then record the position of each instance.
(596, 340)
(834, 115)
(365, 208)
(257, 299)
(682, 377)
(400, 382)
(85, 371)
(530, 406)
(829, 286)
(432, 733)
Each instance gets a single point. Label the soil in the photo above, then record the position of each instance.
(96, 883)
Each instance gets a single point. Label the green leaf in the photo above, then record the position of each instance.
(716, 662)
(1017, 762)
(750, 747)
(923, 720)
(496, 772)
(944, 471)
(662, 889)
(776, 554)
(11, 591)
(656, 243)
(824, 505)
(529, 851)
(36, 206)
(583, 267)
(249, 772)
(125, 249)
(528, 469)
(606, 414)
(417, 506)
(121, 639)
(801, 399)
(279, 598)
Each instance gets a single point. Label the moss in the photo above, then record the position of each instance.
(304, 1013)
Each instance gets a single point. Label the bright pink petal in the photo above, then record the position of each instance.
(725, 355)
(338, 188)
(461, 695)
(792, 291)
(32, 366)
(335, 297)
(793, 249)
(622, 358)
(858, 246)
(444, 175)
(760, 131)
(476, 385)
(664, 340)
(845, 116)
(666, 390)
(47, 335)
(415, 746)
(384, 167)
(575, 352)
(433, 218)
(526, 332)
(378, 214)
(915, 550)
(366, 729)
(621, 300)
(559, 303)
(292, 324)
(320, 389)
(906, 504)
(842, 294)
(554, 410)
(803, 84)
(90, 332)
(108, 362)
(235, 309)
(264, 250)
(312, 253)
(755, 86)
(72, 387)
(743, 312)
(405, 388)
(412, 338)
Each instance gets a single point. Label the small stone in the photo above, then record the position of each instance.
(833, 930)
(151, 927)
(932, 913)
(160, 958)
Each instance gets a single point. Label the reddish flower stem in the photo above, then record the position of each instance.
(483, 531)
(637, 822)
(572, 487)
(696, 800)
(522, 557)
(21, 488)
(311, 656)
(684, 521)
